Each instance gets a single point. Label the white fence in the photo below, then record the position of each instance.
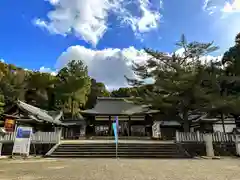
(198, 137)
(38, 137)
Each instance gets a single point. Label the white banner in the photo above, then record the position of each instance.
(22, 140)
(156, 130)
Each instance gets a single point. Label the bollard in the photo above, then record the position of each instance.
(209, 145)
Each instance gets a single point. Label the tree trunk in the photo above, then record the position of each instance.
(186, 124)
(72, 113)
(51, 99)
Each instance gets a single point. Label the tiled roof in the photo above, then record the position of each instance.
(40, 115)
(116, 106)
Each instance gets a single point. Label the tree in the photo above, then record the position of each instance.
(40, 90)
(223, 102)
(178, 86)
(131, 91)
(72, 87)
(98, 89)
(2, 104)
(121, 92)
(12, 82)
(231, 61)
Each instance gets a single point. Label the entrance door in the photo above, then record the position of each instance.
(123, 128)
(72, 133)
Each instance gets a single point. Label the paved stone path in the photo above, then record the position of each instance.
(123, 169)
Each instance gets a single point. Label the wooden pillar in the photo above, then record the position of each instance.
(129, 125)
(110, 126)
(93, 126)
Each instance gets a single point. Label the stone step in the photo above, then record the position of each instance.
(119, 145)
(113, 153)
(113, 150)
(124, 150)
(109, 147)
(121, 156)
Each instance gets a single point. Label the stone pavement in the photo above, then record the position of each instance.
(122, 169)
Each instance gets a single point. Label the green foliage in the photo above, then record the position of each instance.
(122, 92)
(231, 74)
(12, 82)
(68, 91)
(40, 89)
(97, 90)
(231, 59)
(178, 80)
(73, 86)
(2, 104)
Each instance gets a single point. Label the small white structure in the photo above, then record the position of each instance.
(216, 124)
(156, 130)
(237, 143)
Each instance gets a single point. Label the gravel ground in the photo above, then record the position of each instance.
(122, 169)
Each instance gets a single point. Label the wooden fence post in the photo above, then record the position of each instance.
(209, 145)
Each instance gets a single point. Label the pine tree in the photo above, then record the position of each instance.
(181, 82)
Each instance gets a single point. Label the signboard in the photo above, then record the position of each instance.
(9, 125)
(22, 140)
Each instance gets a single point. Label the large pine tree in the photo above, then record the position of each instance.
(181, 82)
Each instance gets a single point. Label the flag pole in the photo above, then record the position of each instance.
(116, 150)
(117, 128)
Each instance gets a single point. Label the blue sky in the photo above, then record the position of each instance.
(108, 34)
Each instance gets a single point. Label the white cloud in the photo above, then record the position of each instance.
(232, 7)
(209, 7)
(221, 6)
(225, 20)
(89, 19)
(148, 20)
(204, 59)
(108, 65)
(47, 70)
(2, 60)
(53, 2)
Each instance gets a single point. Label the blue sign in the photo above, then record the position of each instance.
(23, 133)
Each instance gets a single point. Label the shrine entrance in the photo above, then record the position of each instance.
(124, 128)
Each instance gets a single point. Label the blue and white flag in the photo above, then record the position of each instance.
(114, 125)
(117, 123)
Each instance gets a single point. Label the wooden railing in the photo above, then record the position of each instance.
(38, 137)
(223, 137)
(198, 137)
(189, 137)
